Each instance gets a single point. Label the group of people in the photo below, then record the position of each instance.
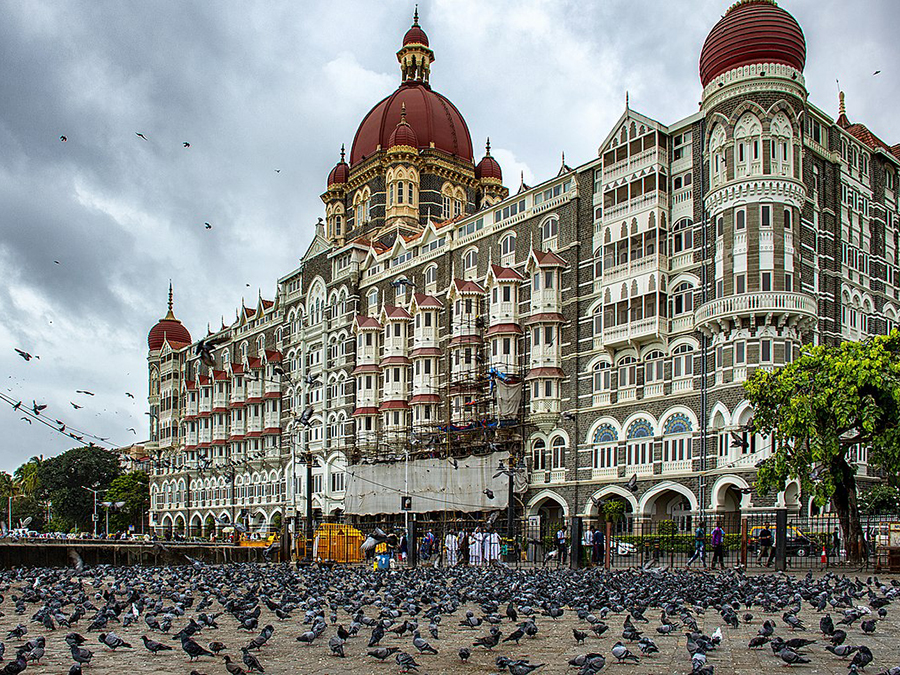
(477, 547)
(718, 544)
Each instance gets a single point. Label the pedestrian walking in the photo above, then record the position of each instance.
(561, 544)
(699, 545)
(599, 552)
(718, 544)
(766, 544)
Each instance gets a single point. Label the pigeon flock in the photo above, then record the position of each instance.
(200, 619)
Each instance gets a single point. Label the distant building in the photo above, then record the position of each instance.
(629, 297)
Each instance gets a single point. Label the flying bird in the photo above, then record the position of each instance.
(132, 430)
(876, 72)
(84, 391)
(186, 144)
(25, 418)
(489, 493)
(140, 135)
(76, 406)
(56, 262)
(129, 394)
(277, 170)
(632, 483)
(207, 226)
(63, 139)
(37, 408)
(26, 355)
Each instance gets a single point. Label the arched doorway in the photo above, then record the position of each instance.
(196, 526)
(669, 501)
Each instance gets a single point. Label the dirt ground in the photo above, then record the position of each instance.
(553, 646)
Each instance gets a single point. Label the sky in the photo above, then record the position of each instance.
(92, 229)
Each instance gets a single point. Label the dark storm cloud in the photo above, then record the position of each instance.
(261, 86)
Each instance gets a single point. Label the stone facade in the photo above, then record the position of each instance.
(630, 297)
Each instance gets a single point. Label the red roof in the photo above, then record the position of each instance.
(394, 312)
(394, 405)
(254, 362)
(535, 373)
(364, 322)
(254, 434)
(434, 119)
(752, 31)
(896, 150)
(267, 303)
(366, 368)
(237, 368)
(425, 351)
(365, 411)
(340, 173)
(505, 329)
(272, 394)
(203, 380)
(862, 133)
(415, 35)
(545, 317)
(237, 404)
(190, 385)
(168, 329)
(464, 286)
(506, 273)
(427, 301)
(270, 431)
(425, 398)
(488, 168)
(403, 134)
(220, 375)
(273, 356)
(394, 361)
(548, 259)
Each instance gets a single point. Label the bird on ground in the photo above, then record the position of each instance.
(862, 658)
(233, 668)
(252, 662)
(336, 645)
(622, 653)
(464, 653)
(215, 647)
(153, 646)
(381, 653)
(406, 662)
(81, 655)
(113, 641)
(193, 649)
(488, 641)
(842, 651)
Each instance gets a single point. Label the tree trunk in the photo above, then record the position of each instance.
(844, 502)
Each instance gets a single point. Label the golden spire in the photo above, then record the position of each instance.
(842, 110)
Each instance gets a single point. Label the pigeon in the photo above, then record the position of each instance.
(153, 646)
(252, 662)
(489, 641)
(464, 654)
(186, 144)
(63, 138)
(862, 658)
(25, 355)
(631, 485)
(112, 641)
(621, 652)
(140, 135)
(381, 653)
(406, 662)
(489, 493)
(336, 645)
(233, 668)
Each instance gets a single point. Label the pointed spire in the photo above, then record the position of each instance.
(487, 147)
(626, 99)
(842, 109)
(343, 152)
(170, 314)
(842, 120)
(403, 113)
(563, 157)
(416, 16)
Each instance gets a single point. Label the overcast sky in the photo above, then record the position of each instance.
(256, 87)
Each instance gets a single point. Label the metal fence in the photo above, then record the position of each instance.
(750, 540)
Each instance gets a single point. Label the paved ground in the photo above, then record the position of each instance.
(553, 645)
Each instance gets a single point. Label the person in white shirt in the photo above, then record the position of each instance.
(561, 545)
(492, 546)
(451, 544)
(476, 543)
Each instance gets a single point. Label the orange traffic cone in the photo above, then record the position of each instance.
(824, 555)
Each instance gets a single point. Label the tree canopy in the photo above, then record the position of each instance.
(62, 480)
(133, 488)
(821, 406)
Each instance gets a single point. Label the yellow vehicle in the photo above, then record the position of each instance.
(265, 541)
(797, 544)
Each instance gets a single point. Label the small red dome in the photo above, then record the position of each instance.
(169, 329)
(415, 35)
(403, 134)
(340, 173)
(434, 120)
(752, 31)
(488, 166)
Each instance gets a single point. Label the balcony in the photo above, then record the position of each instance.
(681, 324)
(504, 312)
(546, 300)
(539, 477)
(557, 476)
(653, 389)
(632, 268)
(627, 394)
(640, 469)
(604, 473)
(600, 399)
(682, 384)
(678, 466)
(544, 406)
(789, 307)
(642, 330)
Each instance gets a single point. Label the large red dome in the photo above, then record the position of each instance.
(170, 329)
(752, 31)
(435, 120)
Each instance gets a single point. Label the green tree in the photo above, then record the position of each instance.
(62, 480)
(27, 476)
(880, 500)
(133, 488)
(818, 408)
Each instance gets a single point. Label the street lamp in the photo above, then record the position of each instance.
(95, 506)
(107, 506)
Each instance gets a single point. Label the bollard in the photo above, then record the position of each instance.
(412, 545)
(575, 542)
(780, 539)
(607, 545)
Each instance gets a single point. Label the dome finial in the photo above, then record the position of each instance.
(842, 109)
(626, 99)
(170, 314)
(487, 147)
(342, 152)
(416, 16)
(403, 113)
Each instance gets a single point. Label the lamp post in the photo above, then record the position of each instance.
(108, 506)
(95, 492)
(9, 511)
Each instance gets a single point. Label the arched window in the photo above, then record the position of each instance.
(430, 275)
(677, 438)
(782, 144)
(639, 449)
(470, 260)
(373, 298)
(508, 245)
(717, 169)
(747, 144)
(653, 367)
(682, 299)
(682, 236)
(558, 452)
(605, 447)
(602, 377)
(539, 455)
(627, 372)
(683, 361)
(550, 229)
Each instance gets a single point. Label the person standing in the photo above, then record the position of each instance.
(561, 544)
(587, 543)
(404, 547)
(718, 544)
(491, 546)
(699, 545)
(599, 554)
(476, 544)
(463, 547)
(451, 545)
(766, 546)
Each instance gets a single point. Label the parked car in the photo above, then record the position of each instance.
(798, 544)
